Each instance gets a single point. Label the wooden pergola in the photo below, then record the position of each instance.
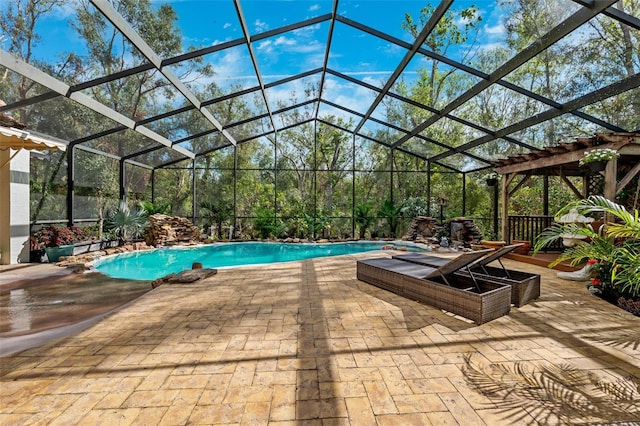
(563, 161)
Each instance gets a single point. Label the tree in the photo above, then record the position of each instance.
(446, 36)
(216, 212)
(18, 22)
(546, 73)
(363, 217)
(333, 155)
(95, 181)
(612, 52)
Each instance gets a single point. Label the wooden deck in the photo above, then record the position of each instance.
(542, 259)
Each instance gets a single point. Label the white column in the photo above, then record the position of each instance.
(5, 201)
(14, 207)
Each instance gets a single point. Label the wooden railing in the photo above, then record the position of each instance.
(527, 228)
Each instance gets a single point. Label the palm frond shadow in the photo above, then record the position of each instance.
(554, 393)
(620, 340)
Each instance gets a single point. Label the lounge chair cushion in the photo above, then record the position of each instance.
(487, 257)
(400, 267)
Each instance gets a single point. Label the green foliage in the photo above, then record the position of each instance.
(150, 208)
(433, 82)
(267, 225)
(298, 227)
(158, 29)
(415, 206)
(598, 155)
(363, 217)
(392, 213)
(173, 187)
(216, 212)
(126, 223)
(616, 247)
(626, 274)
(316, 225)
(323, 226)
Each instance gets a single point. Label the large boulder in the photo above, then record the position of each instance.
(421, 228)
(185, 277)
(166, 230)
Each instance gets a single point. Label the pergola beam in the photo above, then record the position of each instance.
(570, 184)
(627, 178)
(555, 160)
(614, 89)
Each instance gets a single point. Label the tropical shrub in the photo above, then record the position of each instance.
(266, 224)
(53, 236)
(153, 208)
(415, 206)
(614, 249)
(392, 213)
(216, 213)
(126, 223)
(363, 217)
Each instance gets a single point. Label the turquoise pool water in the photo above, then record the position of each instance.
(153, 264)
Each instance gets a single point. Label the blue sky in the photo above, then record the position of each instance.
(209, 22)
(353, 52)
(357, 54)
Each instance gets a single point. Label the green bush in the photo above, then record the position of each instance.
(614, 249)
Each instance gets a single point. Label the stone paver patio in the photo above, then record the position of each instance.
(306, 343)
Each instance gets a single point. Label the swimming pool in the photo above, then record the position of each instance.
(154, 264)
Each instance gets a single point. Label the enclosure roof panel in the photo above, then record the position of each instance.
(451, 83)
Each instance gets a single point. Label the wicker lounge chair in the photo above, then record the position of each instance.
(525, 286)
(437, 261)
(478, 300)
(424, 271)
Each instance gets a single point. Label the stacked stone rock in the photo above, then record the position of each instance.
(421, 228)
(81, 262)
(166, 230)
(463, 229)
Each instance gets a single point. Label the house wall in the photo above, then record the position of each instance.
(14, 207)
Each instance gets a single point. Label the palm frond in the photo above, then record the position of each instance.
(629, 226)
(626, 273)
(623, 230)
(557, 231)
